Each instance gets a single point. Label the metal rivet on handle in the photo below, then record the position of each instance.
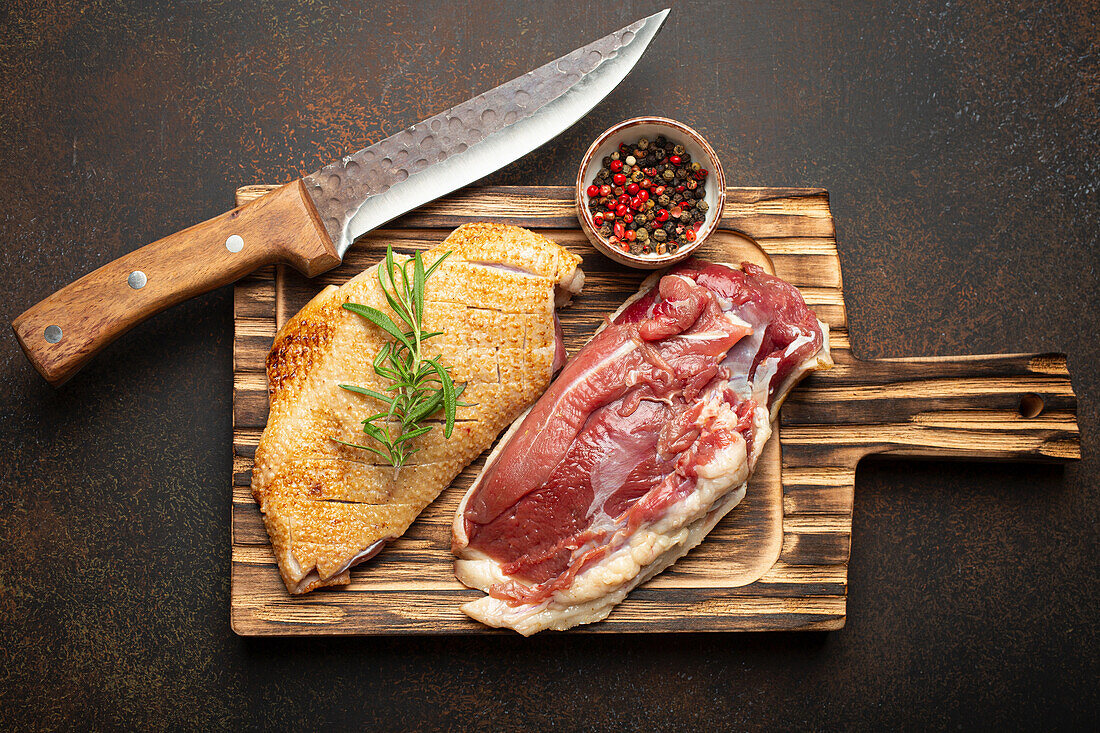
(235, 243)
(52, 334)
(137, 280)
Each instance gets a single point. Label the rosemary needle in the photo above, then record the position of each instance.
(418, 386)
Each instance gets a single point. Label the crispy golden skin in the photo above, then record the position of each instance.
(327, 506)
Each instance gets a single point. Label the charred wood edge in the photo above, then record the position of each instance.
(794, 606)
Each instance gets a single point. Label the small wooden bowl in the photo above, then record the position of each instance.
(651, 127)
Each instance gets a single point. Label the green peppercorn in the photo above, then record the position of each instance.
(643, 144)
(668, 175)
(615, 155)
(702, 205)
(695, 167)
(643, 234)
(660, 235)
(679, 150)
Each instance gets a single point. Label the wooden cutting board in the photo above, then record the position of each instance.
(780, 559)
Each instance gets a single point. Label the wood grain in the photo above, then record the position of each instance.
(778, 561)
(104, 304)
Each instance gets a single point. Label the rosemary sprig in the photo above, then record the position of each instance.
(418, 386)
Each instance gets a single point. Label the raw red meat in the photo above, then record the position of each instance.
(641, 444)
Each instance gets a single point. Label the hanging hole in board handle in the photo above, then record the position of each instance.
(1031, 405)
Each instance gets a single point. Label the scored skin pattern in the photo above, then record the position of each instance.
(339, 189)
(324, 503)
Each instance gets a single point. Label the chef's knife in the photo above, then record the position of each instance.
(311, 222)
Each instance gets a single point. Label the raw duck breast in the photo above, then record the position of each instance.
(644, 441)
(328, 507)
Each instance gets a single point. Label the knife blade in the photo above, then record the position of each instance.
(310, 222)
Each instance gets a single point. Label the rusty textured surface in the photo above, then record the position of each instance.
(462, 137)
(960, 145)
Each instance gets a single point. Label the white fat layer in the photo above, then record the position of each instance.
(550, 615)
(739, 358)
(822, 360)
(313, 578)
(650, 549)
(365, 554)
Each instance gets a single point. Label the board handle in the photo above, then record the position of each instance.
(61, 333)
(1017, 407)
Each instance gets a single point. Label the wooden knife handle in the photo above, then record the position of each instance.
(1006, 407)
(61, 333)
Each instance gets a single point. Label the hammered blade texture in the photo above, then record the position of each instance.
(339, 189)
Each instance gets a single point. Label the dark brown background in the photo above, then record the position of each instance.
(961, 146)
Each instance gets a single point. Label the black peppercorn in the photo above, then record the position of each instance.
(667, 202)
